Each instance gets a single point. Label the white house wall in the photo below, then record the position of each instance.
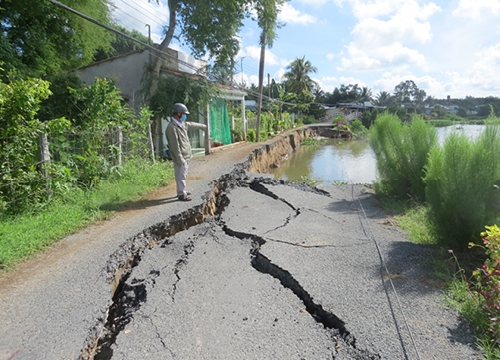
(125, 71)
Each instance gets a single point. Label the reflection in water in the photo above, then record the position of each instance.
(346, 160)
(336, 160)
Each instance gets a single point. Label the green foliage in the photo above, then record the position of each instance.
(210, 26)
(418, 224)
(311, 141)
(488, 280)
(460, 185)
(172, 89)
(40, 38)
(121, 45)
(358, 128)
(339, 118)
(307, 180)
(316, 110)
(251, 135)
(306, 119)
(19, 135)
(369, 117)
(401, 151)
(81, 155)
(297, 76)
(440, 123)
(63, 102)
(24, 235)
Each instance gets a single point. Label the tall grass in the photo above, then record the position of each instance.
(460, 179)
(401, 151)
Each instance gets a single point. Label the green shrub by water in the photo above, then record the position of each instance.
(460, 183)
(401, 151)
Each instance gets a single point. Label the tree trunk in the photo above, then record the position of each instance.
(261, 80)
(155, 70)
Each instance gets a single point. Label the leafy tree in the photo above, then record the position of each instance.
(19, 131)
(349, 93)
(297, 77)
(207, 27)
(365, 95)
(121, 45)
(408, 93)
(383, 98)
(62, 102)
(39, 38)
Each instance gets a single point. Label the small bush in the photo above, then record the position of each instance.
(358, 128)
(460, 185)
(401, 151)
(251, 135)
(488, 280)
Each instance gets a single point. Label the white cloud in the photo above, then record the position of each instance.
(254, 52)
(313, 2)
(329, 83)
(476, 9)
(290, 15)
(481, 79)
(395, 56)
(384, 34)
(363, 9)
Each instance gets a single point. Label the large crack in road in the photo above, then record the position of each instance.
(130, 292)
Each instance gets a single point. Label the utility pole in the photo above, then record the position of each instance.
(268, 85)
(242, 69)
(149, 41)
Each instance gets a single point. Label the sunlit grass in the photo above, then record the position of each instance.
(25, 235)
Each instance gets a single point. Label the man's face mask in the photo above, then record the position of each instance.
(183, 117)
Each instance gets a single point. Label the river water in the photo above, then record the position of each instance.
(340, 160)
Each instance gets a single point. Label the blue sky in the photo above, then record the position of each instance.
(447, 47)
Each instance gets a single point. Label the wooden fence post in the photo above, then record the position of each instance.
(44, 160)
(150, 136)
(120, 144)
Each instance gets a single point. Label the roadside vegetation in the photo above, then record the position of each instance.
(448, 196)
(62, 174)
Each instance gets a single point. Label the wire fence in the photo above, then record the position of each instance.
(32, 170)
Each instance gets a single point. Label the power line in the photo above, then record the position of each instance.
(145, 9)
(156, 52)
(127, 14)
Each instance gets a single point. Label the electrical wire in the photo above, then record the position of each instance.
(155, 52)
(159, 22)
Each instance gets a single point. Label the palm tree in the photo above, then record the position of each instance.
(365, 94)
(297, 76)
(267, 18)
(383, 98)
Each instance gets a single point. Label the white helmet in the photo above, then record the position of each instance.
(180, 108)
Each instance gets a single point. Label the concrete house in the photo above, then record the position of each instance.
(127, 72)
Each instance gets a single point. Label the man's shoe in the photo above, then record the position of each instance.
(184, 198)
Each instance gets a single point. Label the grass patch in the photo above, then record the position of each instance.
(417, 224)
(24, 235)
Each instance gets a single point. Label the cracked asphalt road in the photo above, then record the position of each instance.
(258, 269)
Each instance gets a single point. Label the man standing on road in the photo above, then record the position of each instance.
(180, 147)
